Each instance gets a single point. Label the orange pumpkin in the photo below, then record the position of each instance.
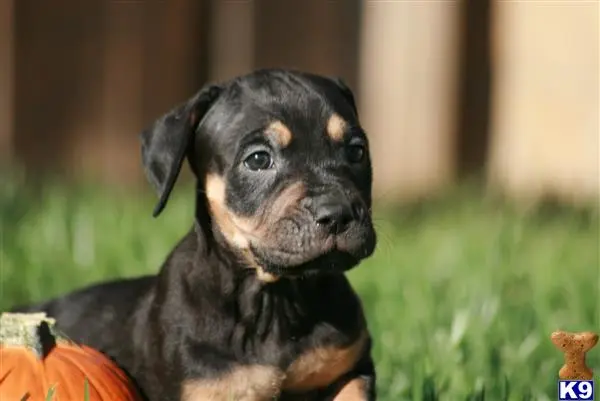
(36, 360)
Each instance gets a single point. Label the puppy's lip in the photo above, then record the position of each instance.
(364, 250)
(331, 261)
(292, 259)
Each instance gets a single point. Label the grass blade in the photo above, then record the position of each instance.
(50, 394)
(86, 390)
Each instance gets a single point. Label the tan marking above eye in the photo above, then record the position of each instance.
(336, 127)
(280, 132)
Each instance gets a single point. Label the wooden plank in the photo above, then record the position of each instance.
(123, 69)
(408, 90)
(58, 81)
(232, 34)
(546, 115)
(6, 80)
(176, 57)
(313, 35)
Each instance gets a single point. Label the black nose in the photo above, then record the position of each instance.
(334, 213)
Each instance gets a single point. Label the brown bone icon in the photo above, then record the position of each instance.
(574, 346)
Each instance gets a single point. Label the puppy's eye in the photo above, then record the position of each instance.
(355, 153)
(260, 160)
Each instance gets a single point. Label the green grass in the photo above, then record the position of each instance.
(461, 295)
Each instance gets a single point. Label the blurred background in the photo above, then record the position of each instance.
(483, 118)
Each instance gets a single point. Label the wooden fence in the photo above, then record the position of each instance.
(445, 88)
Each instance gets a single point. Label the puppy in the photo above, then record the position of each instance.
(253, 303)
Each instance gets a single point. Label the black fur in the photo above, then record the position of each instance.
(206, 311)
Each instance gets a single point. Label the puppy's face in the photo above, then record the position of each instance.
(286, 173)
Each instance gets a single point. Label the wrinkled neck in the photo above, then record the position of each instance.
(281, 309)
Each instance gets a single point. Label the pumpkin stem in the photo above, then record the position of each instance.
(47, 339)
(32, 330)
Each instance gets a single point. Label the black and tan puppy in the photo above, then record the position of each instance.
(253, 303)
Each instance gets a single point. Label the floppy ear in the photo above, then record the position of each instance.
(347, 92)
(166, 142)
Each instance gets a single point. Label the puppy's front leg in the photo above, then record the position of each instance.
(358, 389)
(239, 383)
(358, 385)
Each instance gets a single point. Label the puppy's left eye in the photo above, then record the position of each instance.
(355, 153)
(260, 160)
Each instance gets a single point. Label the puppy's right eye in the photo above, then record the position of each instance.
(260, 160)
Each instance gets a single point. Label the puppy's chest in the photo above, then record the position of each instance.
(307, 368)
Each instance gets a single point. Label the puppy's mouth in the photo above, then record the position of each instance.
(332, 255)
(332, 261)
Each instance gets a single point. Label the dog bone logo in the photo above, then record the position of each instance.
(574, 346)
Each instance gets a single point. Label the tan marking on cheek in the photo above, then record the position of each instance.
(319, 367)
(238, 231)
(261, 227)
(354, 390)
(215, 194)
(244, 383)
(336, 127)
(280, 132)
(287, 198)
(241, 231)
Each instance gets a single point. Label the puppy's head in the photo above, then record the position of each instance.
(283, 168)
